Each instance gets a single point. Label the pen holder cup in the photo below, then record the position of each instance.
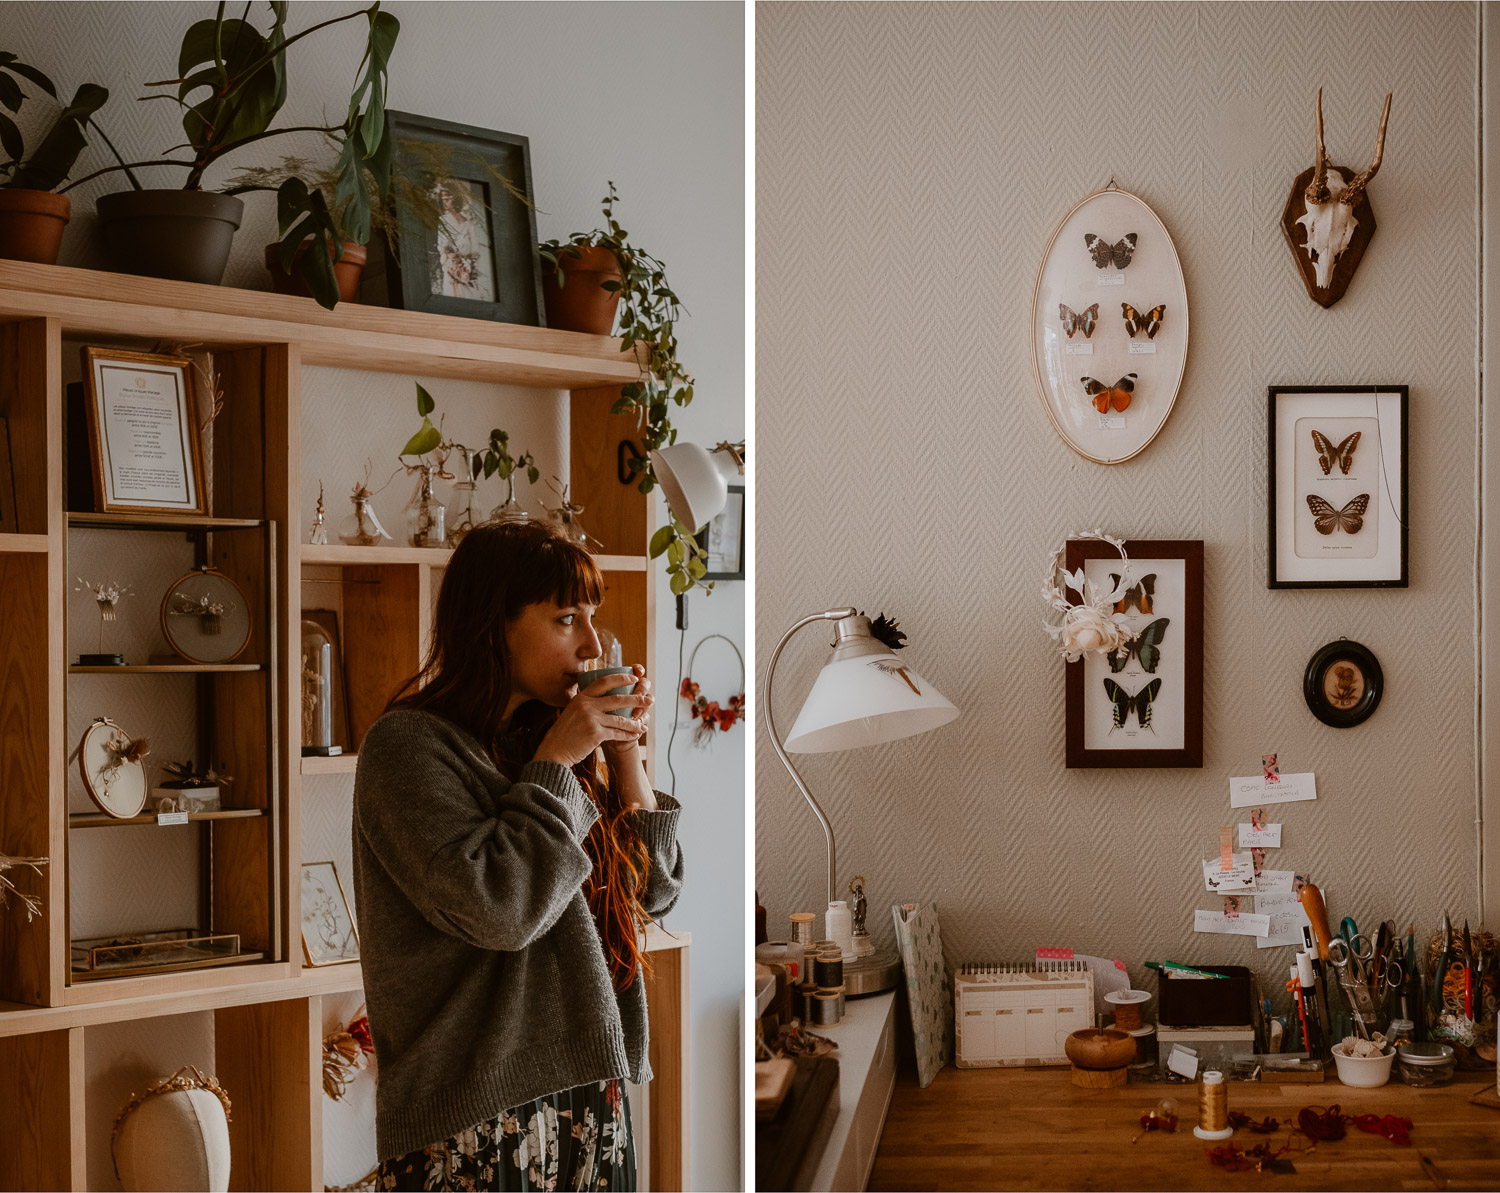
(1228, 1001)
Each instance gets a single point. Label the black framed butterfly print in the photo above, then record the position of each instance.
(1337, 486)
(1109, 325)
(1141, 706)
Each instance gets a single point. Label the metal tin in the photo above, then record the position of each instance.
(1426, 1064)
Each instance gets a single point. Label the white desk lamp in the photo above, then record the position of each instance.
(696, 480)
(863, 696)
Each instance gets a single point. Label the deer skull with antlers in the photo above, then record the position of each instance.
(1333, 213)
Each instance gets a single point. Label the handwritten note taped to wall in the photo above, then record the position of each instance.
(1254, 790)
(1267, 837)
(1238, 925)
(1276, 901)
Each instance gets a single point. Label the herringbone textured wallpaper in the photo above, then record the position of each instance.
(912, 161)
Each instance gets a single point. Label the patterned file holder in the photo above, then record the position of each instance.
(927, 988)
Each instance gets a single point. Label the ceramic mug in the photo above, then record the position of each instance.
(588, 677)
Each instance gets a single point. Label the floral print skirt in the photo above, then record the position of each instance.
(578, 1139)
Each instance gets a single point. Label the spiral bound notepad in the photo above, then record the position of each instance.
(1020, 1015)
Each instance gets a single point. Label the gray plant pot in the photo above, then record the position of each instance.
(184, 235)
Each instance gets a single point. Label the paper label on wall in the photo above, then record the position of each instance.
(1111, 422)
(1111, 279)
(1136, 348)
(1078, 350)
(1266, 837)
(1277, 899)
(1240, 925)
(1253, 789)
(1239, 877)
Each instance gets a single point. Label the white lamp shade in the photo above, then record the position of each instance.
(695, 481)
(864, 701)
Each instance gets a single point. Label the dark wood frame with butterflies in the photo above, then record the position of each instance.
(1188, 639)
(1356, 461)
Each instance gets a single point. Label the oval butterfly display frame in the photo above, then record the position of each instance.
(1108, 379)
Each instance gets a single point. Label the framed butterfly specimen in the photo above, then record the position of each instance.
(1110, 406)
(1337, 480)
(1141, 706)
(1343, 684)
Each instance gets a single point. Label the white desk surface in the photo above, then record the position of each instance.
(858, 1036)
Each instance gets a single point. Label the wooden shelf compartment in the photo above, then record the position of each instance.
(93, 304)
(43, 1111)
(101, 820)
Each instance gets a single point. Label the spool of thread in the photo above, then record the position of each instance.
(840, 927)
(828, 971)
(825, 1008)
(802, 927)
(1213, 1108)
(839, 992)
(805, 1002)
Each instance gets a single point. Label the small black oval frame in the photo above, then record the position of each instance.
(1312, 683)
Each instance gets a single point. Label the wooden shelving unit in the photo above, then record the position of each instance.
(268, 1013)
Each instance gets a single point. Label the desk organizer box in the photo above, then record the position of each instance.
(1020, 1015)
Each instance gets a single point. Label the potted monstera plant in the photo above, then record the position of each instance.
(231, 85)
(32, 216)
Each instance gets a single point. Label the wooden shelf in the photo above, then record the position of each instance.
(93, 304)
(17, 544)
(164, 668)
(79, 520)
(100, 820)
(339, 555)
(339, 764)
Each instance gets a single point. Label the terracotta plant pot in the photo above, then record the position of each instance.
(31, 224)
(183, 235)
(1096, 1048)
(582, 304)
(346, 269)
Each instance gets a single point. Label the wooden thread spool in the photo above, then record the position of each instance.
(1128, 1016)
(1213, 1108)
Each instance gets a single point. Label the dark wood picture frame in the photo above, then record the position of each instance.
(191, 443)
(702, 537)
(1274, 393)
(1190, 641)
(1372, 684)
(511, 252)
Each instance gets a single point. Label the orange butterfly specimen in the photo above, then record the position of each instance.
(1150, 322)
(1343, 453)
(1350, 519)
(1117, 395)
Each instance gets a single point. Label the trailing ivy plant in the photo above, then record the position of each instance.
(244, 73)
(50, 163)
(649, 310)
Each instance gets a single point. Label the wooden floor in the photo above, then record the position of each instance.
(1032, 1129)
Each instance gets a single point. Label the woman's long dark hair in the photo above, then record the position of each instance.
(495, 573)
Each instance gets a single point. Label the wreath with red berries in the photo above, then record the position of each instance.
(711, 716)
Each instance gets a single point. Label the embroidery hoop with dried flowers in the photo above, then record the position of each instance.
(1090, 625)
(710, 714)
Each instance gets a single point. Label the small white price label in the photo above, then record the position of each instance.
(1111, 422)
(1138, 349)
(171, 818)
(1111, 279)
(1078, 350)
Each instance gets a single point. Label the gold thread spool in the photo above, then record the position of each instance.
(1128, 1016)
(1213, 1108)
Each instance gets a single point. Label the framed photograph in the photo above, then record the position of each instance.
(328, 935)
(144, 446)
(1337, 486)
(475, 253)
(724, 539)
(1343, 684)
(1109, 327)
(1145, 709)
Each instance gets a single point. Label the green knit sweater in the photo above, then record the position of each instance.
(484, 974)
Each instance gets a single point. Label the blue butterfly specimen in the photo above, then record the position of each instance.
(1145, 647)
(1124, 702)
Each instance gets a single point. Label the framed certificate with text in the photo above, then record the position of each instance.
(143, 432)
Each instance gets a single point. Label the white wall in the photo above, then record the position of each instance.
(912, 163)
(649, 95)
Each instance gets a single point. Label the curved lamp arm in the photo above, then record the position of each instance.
(827, 615)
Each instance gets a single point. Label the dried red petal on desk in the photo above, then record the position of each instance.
(1316, 1123)
(1397, 1130)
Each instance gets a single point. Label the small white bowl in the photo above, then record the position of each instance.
(1367, 1071)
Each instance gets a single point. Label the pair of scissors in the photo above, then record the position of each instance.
(1354, 959)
